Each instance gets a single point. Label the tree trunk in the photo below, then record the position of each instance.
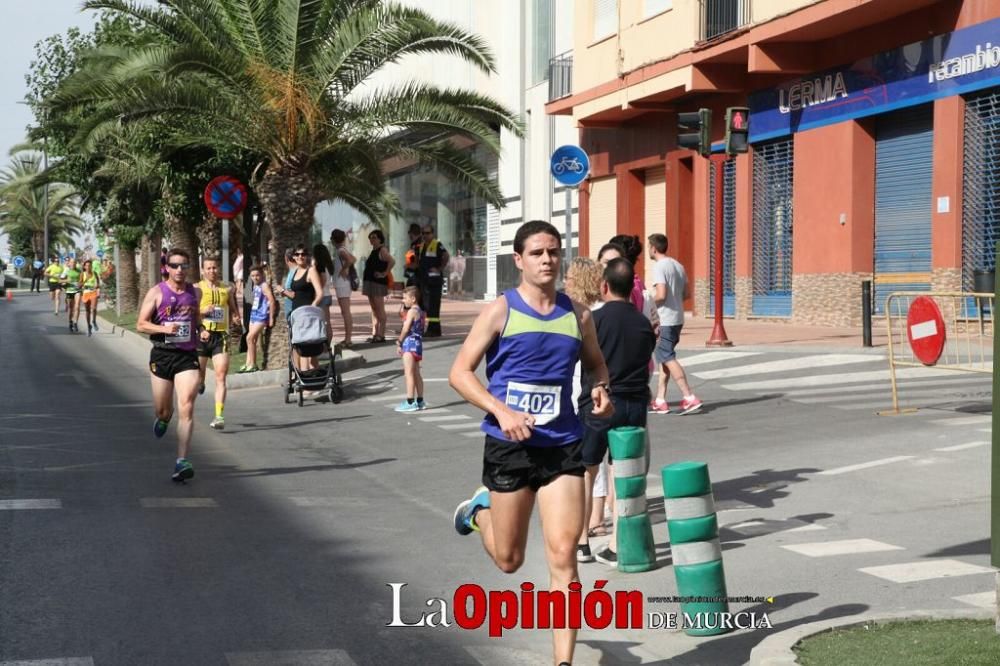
(288, 198)
(126, 276)
(182, 236)
(210, 235)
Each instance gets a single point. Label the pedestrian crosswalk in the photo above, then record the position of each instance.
(846, 381)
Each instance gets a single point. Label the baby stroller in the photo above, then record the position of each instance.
(307, 336)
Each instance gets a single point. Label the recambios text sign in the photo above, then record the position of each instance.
(942, 66)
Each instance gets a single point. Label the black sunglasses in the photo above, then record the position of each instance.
(175, 266)
(300, 254)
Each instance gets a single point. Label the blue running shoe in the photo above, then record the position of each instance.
(465, 513)
(421, 405)
(407, 407)
(160, 428)
(183, 471)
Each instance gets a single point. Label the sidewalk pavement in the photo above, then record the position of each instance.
(457, 317)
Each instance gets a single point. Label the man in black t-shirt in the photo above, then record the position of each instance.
(627, 341)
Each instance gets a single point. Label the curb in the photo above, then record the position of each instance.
(776, 649)
(348, 361)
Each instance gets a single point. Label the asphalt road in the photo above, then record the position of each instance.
(280, 551)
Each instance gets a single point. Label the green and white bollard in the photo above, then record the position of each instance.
(695, 548)
(633, 531)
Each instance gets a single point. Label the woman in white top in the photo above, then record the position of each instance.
(340, 284)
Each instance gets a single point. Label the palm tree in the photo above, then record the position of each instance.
(289, 82)
(26, 203)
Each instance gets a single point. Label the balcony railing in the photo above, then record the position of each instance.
(561, 76)
(719, 17)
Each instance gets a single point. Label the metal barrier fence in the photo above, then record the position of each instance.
(967, 335)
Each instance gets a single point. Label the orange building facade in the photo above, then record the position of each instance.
(875, 144)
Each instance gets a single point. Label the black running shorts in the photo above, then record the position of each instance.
(168, 363)
(54, 286)
(510, 466)
(217, 343)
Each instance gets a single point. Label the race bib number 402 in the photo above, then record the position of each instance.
(542, 402)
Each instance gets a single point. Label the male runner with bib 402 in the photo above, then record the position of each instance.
(531, 337)
(170, 315)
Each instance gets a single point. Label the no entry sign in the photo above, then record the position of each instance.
(925, 330)
(225, 197)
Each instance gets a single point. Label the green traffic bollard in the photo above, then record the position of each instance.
(634, 533)
(695, 548)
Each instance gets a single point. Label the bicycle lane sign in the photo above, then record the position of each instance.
(569, 165)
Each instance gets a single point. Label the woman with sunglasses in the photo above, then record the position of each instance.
(376, 282)
(304, 288)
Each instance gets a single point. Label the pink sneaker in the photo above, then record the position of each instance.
(690, 405)
(659, 407)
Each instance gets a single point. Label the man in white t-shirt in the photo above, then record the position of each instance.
(670, 287)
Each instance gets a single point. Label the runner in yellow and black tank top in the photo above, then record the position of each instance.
(218, 308)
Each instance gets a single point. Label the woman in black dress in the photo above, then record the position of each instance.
(376, 282)
(305, 288)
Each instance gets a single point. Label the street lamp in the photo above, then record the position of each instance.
(45, 193)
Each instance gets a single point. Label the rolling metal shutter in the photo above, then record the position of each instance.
(656, 210)
(772, 229)
(981, 186)
(903, 170)
(603, 212)
(728, 239)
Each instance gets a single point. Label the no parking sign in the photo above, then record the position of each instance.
(225, 197)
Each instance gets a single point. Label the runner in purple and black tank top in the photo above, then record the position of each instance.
(170, 316)
(531, 338)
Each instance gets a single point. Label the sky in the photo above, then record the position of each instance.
(25, 23)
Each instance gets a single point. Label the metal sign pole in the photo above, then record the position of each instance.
(225, 251)
(569, 224)
(118, 280)
(718, 337)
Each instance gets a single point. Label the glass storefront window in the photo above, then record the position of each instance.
(425, 197)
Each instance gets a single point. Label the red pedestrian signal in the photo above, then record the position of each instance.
(737, 130)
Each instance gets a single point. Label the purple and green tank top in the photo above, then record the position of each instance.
(181, 308)
(530, 367)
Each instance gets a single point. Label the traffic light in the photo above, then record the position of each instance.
(737, 130)
(694, 131)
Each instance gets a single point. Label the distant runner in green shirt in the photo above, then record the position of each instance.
(70, 280)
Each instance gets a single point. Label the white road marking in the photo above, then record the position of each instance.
(457, 426)
(912, 572)
(310, 502)
(714, 357)
(962, 447)
(291, 658)
(435, 410)
(859, 466)
(964, 420)
(925, 385)
(68, 661)
(788, 364)
(178, 503)
(435, 419)
(808, 527)
(478, 433)
(980, 599)
(18, 504)
(387, 398)
(826, 380)
(843, 547)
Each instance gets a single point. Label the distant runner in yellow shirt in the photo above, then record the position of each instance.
(218, 308)
(52, 273)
